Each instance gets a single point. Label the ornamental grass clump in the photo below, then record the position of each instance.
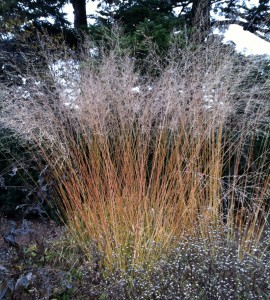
(141, 160)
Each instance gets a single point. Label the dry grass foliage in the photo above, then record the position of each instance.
(140, 159)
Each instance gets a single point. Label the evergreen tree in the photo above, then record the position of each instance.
(196, 14)
(15, 14)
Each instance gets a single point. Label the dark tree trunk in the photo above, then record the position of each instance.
(80, 17)
(200, 19)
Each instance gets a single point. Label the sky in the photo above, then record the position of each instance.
(245, 41)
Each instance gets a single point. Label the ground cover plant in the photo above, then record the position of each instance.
(48, 264)
(144, 156)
